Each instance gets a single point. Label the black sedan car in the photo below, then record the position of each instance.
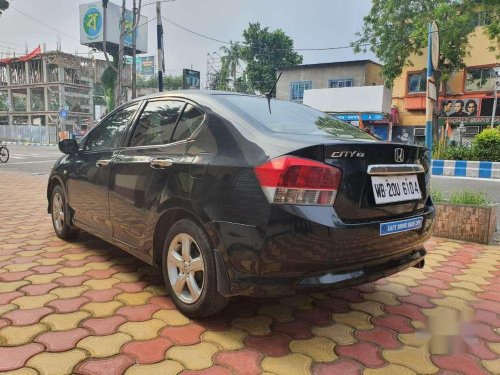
(230, 196)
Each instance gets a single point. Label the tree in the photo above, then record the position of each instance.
(264, 51)
(4, 5)
(395, 30)
(169, 82)
(230, 63)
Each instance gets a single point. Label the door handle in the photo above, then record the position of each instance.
(102, 163)
(161, 163)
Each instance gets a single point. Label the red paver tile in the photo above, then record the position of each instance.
(68, 305)
(104, 326)
(398, 323)
(341, 367)
(316, 317)
(335, 305)
(436, 283)
(102, 295)
(214, 370)
(138, 313)
(366, 288)
(272, 345)
(23, 317)
(38, 289)
(479, 349)
(15, 357)
(243, 362)
(184, 335)
(487, 317)
(384, 337)
(149, 351)
(59, 254)
(5, 298)
(490, 295)
(15, 276)
(46, 269)
(22, 260)
(132, 287)
(463, 363)
(418, 299)
(451, 270)
(75, 263)
(63, 340)
(491, 287)
(428, 291)
(445, 276)
(296, 329)
(364, 352)
(484, 331)
(411, 311)
(4, 323)
(72, 280)
(114, 365)
(164, 302)
(100, 274)
(350, 295)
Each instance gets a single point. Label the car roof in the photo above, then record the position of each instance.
(192, 94)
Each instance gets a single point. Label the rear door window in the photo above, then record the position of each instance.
(190, 120)
(156, 123)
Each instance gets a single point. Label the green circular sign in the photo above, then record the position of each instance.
(92, 23)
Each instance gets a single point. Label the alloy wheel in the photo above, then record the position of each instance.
(58, 212)
(186, 268)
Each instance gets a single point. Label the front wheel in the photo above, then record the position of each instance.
(4, 154)
(188, 265)
(62, 227)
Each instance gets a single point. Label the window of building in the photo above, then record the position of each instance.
(298, 88)
(157, 123)
(38, 120)
(20, 100)
(20, 120)
(4, 120)
(190, 120)
(109, 133)
(337, 83)
(17, 73)
(52, 73)
(479, 79)
(4, 101)
(37, 99)
(417, 82)
(53, 94)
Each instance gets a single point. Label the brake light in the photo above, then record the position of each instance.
(293, 180)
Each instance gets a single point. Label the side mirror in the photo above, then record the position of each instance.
(68, 146)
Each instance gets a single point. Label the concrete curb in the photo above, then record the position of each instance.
(466, 168)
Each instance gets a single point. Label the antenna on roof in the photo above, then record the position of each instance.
(269, 94)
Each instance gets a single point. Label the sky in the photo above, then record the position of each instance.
(311, 24)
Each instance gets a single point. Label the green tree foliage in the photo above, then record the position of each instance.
(4, 4)
(109, 82)
(486, 145)
(263, 52)
(230, 63)
(395, 30)
(169, 82)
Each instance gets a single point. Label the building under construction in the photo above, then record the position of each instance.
(47, 89)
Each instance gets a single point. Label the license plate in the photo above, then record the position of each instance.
(389, 189)
(401, 226)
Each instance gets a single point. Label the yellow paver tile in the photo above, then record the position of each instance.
(403, 280)
(172, 317)
(73, 271)
(193, 357)
(301, 302)
(143, 330)
(395, 288)
(11, 286)
(356, 319)
(495, 347)
(258, 325)
(383, 297)
(33, 302)
(340, 333)
(472, 278)
(20, 267)
(21, 371)
(77, 256)
(104, 346)
(413, 339)
(99, 265)
(417, 359)
(20, 335)
(4, 258)
(467, 285)
(453, 302)
(49, 261)
(101, 284)
(56, 363)
(140, 298)
(318, 348)
(460, 293)
(279, 313)
(43, 279)
(227, 340)
(159, 290)
(102, 309)
(65, 322)
(166, 367)
(69, 291)
(370, 307)
(4, 309)
(128, 276)
(291, 364)
(492, 365)
(389, 370)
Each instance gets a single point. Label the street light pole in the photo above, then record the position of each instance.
(134, 54)
(159, 36)
(494, 109)
(429, 107)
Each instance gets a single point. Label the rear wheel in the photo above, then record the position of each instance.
(188, 265)
(63, 229)
(4, 154)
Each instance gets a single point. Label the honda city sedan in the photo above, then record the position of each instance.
(229, 194)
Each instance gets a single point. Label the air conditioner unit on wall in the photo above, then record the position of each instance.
(472, 130)
(419, 132)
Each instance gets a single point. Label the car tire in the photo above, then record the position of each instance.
(64, 230)
(188, 265)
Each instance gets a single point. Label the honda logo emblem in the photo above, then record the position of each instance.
(399, 155)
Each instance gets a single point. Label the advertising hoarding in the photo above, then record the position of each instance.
(190, 79)
(145, 65)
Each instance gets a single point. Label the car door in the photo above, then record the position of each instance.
(152, 169)
(88, 174)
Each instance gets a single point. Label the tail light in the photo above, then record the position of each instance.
(293, 180)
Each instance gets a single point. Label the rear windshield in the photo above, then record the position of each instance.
(293, 118)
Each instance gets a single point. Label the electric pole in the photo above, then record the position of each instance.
(159, 36)
(134, 54)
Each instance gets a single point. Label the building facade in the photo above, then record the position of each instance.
(47, 89)
(466, 98)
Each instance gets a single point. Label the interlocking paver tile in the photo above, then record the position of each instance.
(86, 307)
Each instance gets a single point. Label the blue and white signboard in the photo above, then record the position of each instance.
(355, 116)
(63, 113)
(401, 226)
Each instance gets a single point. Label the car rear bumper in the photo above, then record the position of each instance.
(302, 249)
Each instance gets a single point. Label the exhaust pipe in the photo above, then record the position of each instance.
(420, 264)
